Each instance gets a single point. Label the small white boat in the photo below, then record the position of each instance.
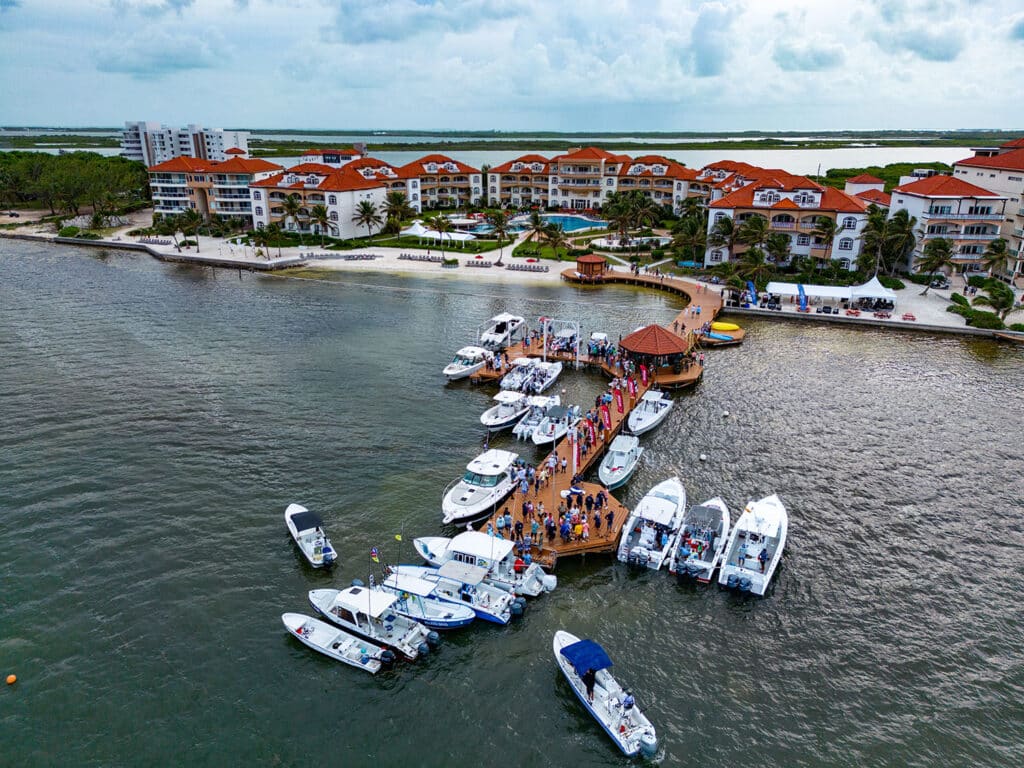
(417, 601)
(755, 546)
(464, 584)
(501, 331)
(653, 527)
(490, 552)
(539, 405)
(488, 480)
(619, 464)
(542, 376)
(510, 408)
(612, 706)
(557, 421)
(466, 362)
(520, 370)
(336, 643)
(652, 409)
(308, 531)
(369, 612)
(702, 541)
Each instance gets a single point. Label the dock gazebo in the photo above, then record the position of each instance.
(591, 267)
(657, 348)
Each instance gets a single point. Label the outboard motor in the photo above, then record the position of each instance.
(694, 570)
(549, 581)
(733, 581)
(433, 639)
(648, 744)
(423, 649)
(387, 658)
(745, 584)
(516, 609)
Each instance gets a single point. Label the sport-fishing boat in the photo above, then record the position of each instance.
(558, 420)
(539, 405)
(336, 643)
(308, 531)
(619, 464)
(417, 601)
(501, 331)
(542, 376)
(702, 541)
(652, 409)
(488, 480)
(466, 362)
(465, 584)
(521, 368)
(490, 552)
(755, 546)
(369, 612)
(510, 408)
(653, 527)
(612, 706)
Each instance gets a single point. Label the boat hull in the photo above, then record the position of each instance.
(319, 638)
(454, 374)
(410, 653)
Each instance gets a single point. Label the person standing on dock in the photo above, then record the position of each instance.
(609, 517)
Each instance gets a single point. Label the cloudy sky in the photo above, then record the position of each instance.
(610, 65)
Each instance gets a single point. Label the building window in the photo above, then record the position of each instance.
(259, 210)
(332, 200)
(610, 182)
(846, 244)
(844, 263)
(803, 239)
(719, 217)
(716, 256)
(334, 215)
(256, 195)
(849, 223)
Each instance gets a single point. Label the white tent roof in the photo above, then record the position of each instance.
(416, 229)
(433, 234)
(362, 600)
(873, 289)
(821, 291)
(466, 574)
(511, 398)
(478, 544)
(414, 585)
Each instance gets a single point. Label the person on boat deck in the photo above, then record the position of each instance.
(664, 539)
(762, 558)
(490, 529)
(589, 678)
(519, 566)
(629, 702)
(741, 554)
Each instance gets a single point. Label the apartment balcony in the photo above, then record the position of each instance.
(169, 208)
(965, 216)
(579, 185)
(783, 225)
(959, 236)
(230, 196)
(1018, 232)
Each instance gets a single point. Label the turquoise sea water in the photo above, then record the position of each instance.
(157, 419)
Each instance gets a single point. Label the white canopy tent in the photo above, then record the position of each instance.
(416, 229)
(873, 289)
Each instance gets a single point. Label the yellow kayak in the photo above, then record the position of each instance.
(724, 327)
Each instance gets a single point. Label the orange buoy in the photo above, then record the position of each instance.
(12, 679)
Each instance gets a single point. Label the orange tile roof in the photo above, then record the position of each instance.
(786, 203)
(944, 186)
(875, 196)
(328, 150)
(180, 165)
(591, 153)
(831, 199)
(344, 179)
(1013, 144)
(864, 178)
(1007, 161)
(416, 167)
(840, 202)
(654, 340)
(234, 151)
(244, 165)
(318, 168)
(526, 160)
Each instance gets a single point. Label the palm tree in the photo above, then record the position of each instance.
(754, 231)
(825, 229)
(554, 236)
(499, 221)
(995, 256)
(900, 238)
(366, 215)
(397, 207)
(292, 207)
(693, 208)
(442, 226)
(1000, 297)
(937, 256)
(273, 233)
(753, 265)
(191, 221)
(322, 219)
(168, 227)
(724, 234)
(259, 241)
(777, 244)
(691, 238)
(619, 215)
(536, 226)
(874, 237)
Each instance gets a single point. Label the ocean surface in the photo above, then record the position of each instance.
(157, 419)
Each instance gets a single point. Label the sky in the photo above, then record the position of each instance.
(560, 65)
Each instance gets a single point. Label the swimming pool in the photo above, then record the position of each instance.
(570, 223)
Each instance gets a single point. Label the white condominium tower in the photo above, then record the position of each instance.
(153, 143)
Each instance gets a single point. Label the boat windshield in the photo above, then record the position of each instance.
(484, 481)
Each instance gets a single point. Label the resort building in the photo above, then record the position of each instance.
(339, 190)
(334, 157)
(212, 188)
(665, 181)
(951, 208)
(444, 182)
(394, 179)
(519, 183)
(582, 179)
(153, 143)
(792, 205)
(1001, 170)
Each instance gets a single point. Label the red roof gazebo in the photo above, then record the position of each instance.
(654, 341)
(591, 265)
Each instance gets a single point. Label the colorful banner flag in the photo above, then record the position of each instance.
(643, 374)
(592, 431)
(375, 555)
(631, 383)
(618, 400)
(606, 417)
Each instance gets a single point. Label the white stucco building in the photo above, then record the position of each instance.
(152, 143)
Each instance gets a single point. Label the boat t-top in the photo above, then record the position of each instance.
(510, 408)
(466, 362)
(755, 546)
(653, 527)
(652, 409)
(501, 331)
(619, 464)
(702, 541)
(492, 553)
(556, 422)
(488, 480)
(467, 584)
(308, 531)
(369, 613)
(584, 662)
(417, 601)
(541, 376)
(539, 405)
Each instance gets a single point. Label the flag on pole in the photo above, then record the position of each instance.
(618, 400)
(398, 537)
(643, 374)
(375, 555)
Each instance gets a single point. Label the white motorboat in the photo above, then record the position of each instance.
(501, 331)
(488, 480)
(490, 552)
(755, 546)
(652, 409)
(336, 643)
(619, 464)
(539, 405)
(612, 706)
(308, 531)
(369, 612)
(520, 370)
(702, 541)
(417, 601)
(557, 421)
(564, 341)
(653, 527)
(466, 362)
(542, 376)
(510, 408)
(465, 584)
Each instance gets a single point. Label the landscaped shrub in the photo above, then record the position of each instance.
(976, 281)
(658, 253)
(957, 298)
(986, 320)
(451, 262)
(919, 278)
(892, 283)
(1017, 327)
(88, 236)
(185, 243)
(69, 231)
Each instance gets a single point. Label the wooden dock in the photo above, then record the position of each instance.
(604, 539)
